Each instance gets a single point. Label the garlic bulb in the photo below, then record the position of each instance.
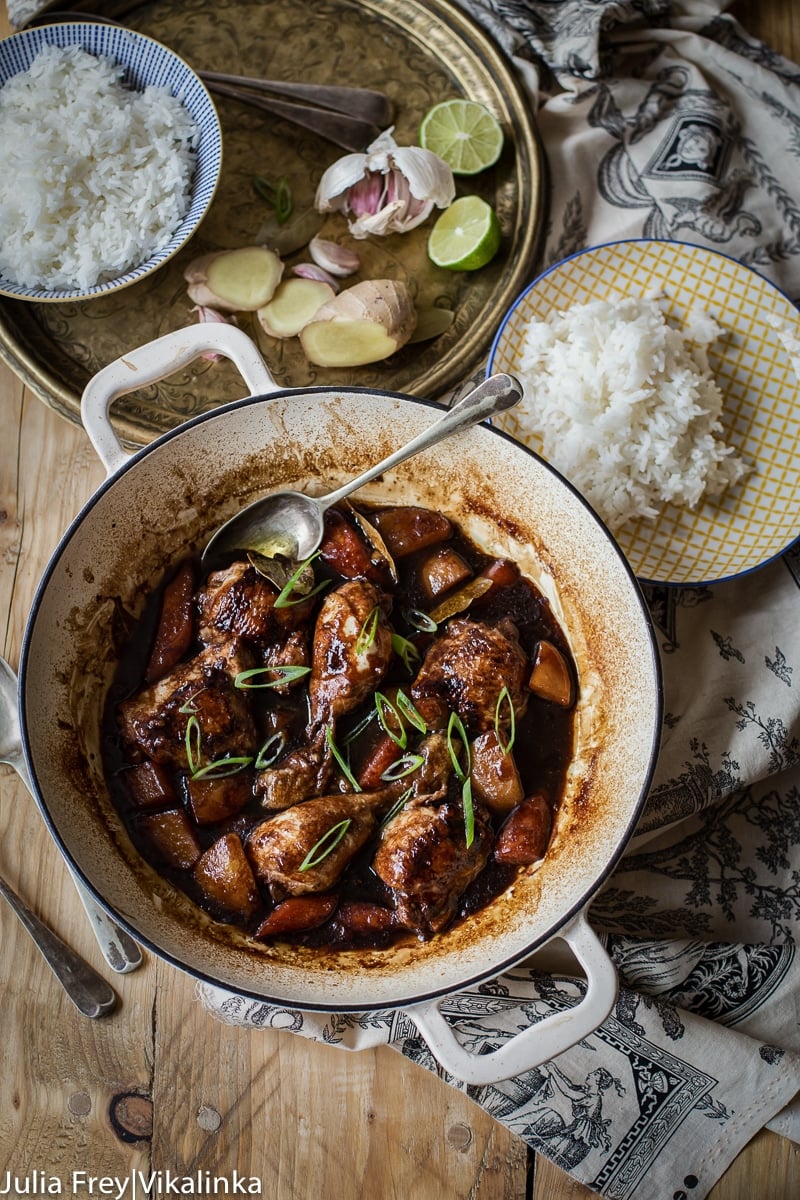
(389, 189)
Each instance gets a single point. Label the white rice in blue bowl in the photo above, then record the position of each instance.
(113, 154)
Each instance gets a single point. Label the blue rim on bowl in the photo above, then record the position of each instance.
(145, 62)
(756, 367)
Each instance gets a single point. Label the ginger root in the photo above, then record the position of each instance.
(241, 280)
(363, 324)
(294, 303)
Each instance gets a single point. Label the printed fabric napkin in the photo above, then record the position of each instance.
(662, 119)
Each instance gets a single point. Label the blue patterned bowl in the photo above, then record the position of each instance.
(145, 62)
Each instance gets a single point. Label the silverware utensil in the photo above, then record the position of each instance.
(363, 103)
(350, 117)
(119, 949)
(87, 990)
(291, 524)
(343, 130)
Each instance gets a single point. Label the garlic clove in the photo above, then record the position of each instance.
(312, 271)
(333, 258)
(429, 177)
(337, 180)
(379, 223)
(210, 316)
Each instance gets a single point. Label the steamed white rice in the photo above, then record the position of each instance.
(95, 177)
(626, 407)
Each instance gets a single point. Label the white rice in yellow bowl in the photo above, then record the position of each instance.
(661, 380)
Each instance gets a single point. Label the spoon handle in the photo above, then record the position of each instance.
(87, 990)
(119, 949)
(493, 395)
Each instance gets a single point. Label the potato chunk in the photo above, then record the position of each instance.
(495, 777)
(226, 877)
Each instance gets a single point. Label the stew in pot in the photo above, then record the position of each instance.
(348, 752)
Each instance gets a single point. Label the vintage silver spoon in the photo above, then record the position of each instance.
(87, 990)
(119, 949)
(291, 524)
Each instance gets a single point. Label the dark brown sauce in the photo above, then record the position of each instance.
(543, 748)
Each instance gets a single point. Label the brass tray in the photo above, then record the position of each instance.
(418, 52)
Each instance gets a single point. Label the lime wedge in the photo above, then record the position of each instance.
(464, 133)
(466, 236)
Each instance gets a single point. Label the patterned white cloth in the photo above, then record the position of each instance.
(662, 118)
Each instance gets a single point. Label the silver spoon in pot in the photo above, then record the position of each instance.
(292, 524)
(119, 949)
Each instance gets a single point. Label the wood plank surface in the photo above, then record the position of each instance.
(160, 1085)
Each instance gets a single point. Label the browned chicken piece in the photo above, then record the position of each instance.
(429, 782)
(153, 722)
(469, 665)
(278, 846)
(302, 773)
(238, 602)
(293, 652)
(350, 653)
(424, 858)
(343, 673)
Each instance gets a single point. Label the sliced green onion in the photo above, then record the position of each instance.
(328, 842)
(397, 807)
(344, 765)
(406, 651)
(469, 811)
(411, 712)
(512, 731)
(368, 630)
(221, 768)
(384, 707)
(456, 724)
(285, 674)
(192, 740)
(283, 200)
(189, 705)
(358, 729)
(420, 620)
(278, 196)
(402, 767)
(283, 600)
(270, 752)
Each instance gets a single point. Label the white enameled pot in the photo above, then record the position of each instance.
(162, 502)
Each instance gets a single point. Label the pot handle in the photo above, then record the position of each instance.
(540, 1042)
(155, 361)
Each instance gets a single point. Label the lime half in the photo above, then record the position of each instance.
(466, 236)
(464, 133)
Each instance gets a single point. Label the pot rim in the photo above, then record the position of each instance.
(433, 992)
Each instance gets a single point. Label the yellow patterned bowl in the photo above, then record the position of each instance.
(759, 517)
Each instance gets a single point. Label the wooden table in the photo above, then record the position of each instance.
(159, 1085)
